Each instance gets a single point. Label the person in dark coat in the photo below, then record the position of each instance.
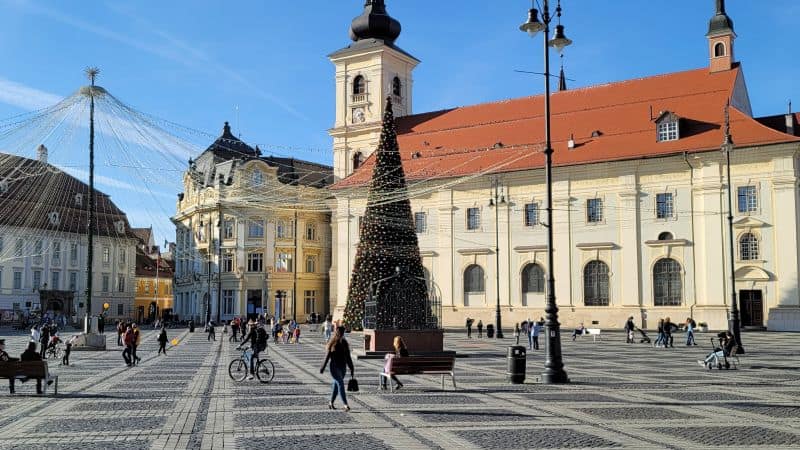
(480, 328)
(162, 341)
(45, 341)
(4, 357)
(29, 354)
(629, 327)
(669, 327)
(338, 353)
(469, 327)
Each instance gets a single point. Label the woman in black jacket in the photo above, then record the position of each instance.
(338, 353)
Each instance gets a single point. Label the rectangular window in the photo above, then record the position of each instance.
(120, 309)
(748, 199)
(473, 218)
(106, 255)
(146, 287)
(285, 229)
(56, 252)
(668, 131)
(311, 232)
(37, 279)
(421, 222)
(310, 300)
(664, 205)
(227, 229)
(255, 262)
(18, 248)
(37, 252)
(122, 256)
(17, 279)
(283, 262)
(227, 261)
(73, 253)
(311, 264)
(73, 281)
(121, 283)
(55, 280)
(106, 282)
(594, 210)
(227, 302)
(256, 229)
(531, 214)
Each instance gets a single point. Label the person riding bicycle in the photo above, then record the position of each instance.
(257, 336)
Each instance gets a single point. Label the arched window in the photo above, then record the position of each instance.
(473, 279)
(532, 278)
(595, 284)
(719, 49)
(357, 160)
(667, 285)
(396, 86)
(665, 236)
(748, 247)
(258, 177)
(359, 85)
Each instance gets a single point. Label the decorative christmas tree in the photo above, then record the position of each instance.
(388, 241)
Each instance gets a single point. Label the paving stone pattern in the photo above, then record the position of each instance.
(622, 396)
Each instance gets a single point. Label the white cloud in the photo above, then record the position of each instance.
(25, 97)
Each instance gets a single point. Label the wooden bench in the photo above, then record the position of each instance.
(36, 370)
(593, 332)
(418, 365)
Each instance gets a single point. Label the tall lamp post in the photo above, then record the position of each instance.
(91, 73)
(554, 372)
(734, 324)
(495, 201)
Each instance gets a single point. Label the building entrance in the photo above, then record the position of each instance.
(751, 304)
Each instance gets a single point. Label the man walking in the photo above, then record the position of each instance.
(211, 333)
(162, 341)
(469, 328)
(629, 327)
(127, 339)
(536, 328)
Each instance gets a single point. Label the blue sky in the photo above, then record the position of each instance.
(194, 62)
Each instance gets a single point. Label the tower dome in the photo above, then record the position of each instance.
(375, 23)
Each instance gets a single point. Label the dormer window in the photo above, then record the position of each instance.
(54, 218)
(3, 186)
(120, 226)
(667, 126)
(79, 200)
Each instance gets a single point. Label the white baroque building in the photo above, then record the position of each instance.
(43, 243)
(640, 192)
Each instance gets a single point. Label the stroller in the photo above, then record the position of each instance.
(721, 356)
(645, 339)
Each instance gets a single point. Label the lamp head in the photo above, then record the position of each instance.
(560, 40)
(533, 25)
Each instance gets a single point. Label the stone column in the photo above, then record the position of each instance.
(785, 315)
(630, 241)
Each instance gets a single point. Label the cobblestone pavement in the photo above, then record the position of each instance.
(621, 396)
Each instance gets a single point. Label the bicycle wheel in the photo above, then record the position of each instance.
(237, 370)
(265, 371)
(57, 352)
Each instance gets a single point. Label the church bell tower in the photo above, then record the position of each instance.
(368, 70)
(720, 40)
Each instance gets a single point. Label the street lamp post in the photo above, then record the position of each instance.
(495, 201)
(554, 372)
(734, 324)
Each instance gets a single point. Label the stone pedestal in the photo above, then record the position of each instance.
(90, 342)
(417, 341)
(783, 319)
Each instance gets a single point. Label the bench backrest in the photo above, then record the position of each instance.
(419, 364)
(31, 369)
(593, 331)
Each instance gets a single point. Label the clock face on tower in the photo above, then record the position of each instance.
(359, 116)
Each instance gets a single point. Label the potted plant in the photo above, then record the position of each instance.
(703, 327)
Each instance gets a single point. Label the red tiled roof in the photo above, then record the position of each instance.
(508, 135)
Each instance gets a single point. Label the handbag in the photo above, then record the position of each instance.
(352, 385)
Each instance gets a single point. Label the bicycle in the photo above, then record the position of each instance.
(239, 367)
(54, 351)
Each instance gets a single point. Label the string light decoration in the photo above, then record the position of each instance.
(388, 241)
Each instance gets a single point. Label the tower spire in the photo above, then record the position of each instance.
(720, 39)
(375, 23)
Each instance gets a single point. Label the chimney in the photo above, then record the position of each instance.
(790, 121)
(41, 154)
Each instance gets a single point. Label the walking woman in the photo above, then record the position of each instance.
(660, 338)
(162, 341)
(338, 353)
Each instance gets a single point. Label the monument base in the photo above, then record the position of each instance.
(417, 341)
(90, 342)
